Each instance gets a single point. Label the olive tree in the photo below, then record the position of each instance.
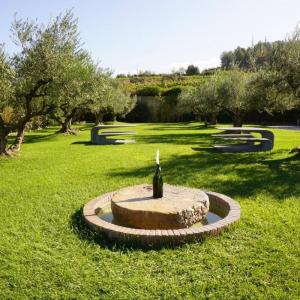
(7, 105)
(277, 88)
(121, 101)
(101, 103)
(269, 93)
(44, 55)
(110, 98)
(73, 91)
(203, 100)
(286, 64)
(234, 95)
(192, 70)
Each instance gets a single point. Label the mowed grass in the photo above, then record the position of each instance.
(47, 252)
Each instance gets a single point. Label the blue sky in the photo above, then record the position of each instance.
(160, 35)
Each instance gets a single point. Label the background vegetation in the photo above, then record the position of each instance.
(252, 84)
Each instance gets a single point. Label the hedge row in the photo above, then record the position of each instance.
(158, 91)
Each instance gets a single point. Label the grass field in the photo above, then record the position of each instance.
(46, 251)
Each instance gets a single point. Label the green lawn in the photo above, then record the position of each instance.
(46, 251)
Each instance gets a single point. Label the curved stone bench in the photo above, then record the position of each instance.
(101, 138)
(266, 142)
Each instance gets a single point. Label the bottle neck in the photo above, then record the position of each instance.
(158, 169)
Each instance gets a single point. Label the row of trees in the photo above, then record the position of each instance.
(258, 56)
(190, 70)
(52, 76)
(268, 80)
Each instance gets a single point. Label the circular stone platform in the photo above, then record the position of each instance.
(178, 208)
(224, 206)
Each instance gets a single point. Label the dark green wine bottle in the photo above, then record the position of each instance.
(157, 183)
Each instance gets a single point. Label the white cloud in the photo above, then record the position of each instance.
(201, 64)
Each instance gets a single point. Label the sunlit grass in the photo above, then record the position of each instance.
(47, 252)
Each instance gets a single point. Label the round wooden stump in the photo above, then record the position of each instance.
(178, 208)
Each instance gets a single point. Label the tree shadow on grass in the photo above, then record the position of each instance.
(81, 229)
(36, 138)
(205, 149)
(86, 143)
(236, 175)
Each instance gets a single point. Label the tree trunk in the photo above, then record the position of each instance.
(16, 146)
(3, 142)
(213, 119)
(66, 127)
(237, 120)
(99, 119)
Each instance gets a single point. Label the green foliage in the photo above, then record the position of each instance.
(134, 84)
(171, 95)
(277, 88)
(286, 62)
(6, 75)
(43, 57)
(149, 91)
(9, 112)
(203, 100)
(234, 95)
(175, 91)
(140, 113)
(6, 89)
(269, 93)
(109, 97)
(259, 56)
(74, 90)
(192, 70)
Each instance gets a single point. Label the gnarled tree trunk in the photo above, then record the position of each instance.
(66, 121)
(237, 119)
(3, 142)
(238, 115)
(99, 119)
(16, 146)
(213, 119)
(66, 126)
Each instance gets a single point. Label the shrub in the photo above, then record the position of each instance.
(171, 95)
(140, 113)
(192, 70)
(149, 91)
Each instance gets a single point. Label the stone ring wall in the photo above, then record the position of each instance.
(219, 203)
